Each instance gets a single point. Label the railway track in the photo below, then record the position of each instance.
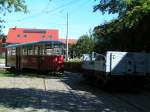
(138, 99)
(132, 101)
(135, 96)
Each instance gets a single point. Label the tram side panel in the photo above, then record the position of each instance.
(29, 62)
(55, 62)
(28, 58)
(11, 58)
(44, 63)
(51, 59)
(59, 64)
(40, 60)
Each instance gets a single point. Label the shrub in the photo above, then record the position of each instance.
(73, 65)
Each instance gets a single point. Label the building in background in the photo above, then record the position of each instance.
(70, 41)
(20, 35)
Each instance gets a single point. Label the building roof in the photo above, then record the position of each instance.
(21, 35)
(70, 41)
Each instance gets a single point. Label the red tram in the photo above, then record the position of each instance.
(41, 55)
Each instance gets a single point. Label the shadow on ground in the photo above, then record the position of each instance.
(77, 82)
(117, 98)
(80, 98)
(51, 100)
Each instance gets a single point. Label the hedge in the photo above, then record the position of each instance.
(73, 66)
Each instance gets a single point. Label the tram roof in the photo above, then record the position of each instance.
(38, 42)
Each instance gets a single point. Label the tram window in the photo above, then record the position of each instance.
(48, 50)
(13, 51)
(42, 50)
(30, 51)
(24, 51)
(57, 50)
(48, 46)
(9, 52)
(36, 50)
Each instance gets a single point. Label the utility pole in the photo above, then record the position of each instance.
(67, 39)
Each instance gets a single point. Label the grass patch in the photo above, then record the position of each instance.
(2, 61)
(4, 73)
(29, 73)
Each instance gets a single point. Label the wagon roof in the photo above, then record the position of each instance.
(38, 42)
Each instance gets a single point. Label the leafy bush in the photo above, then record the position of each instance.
(73, 65)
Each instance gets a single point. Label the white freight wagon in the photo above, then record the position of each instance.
(116, 63)
(126, 63)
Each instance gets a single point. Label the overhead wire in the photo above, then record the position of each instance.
(60, 8)
(80, 6)
(49, 11)
(34, 15)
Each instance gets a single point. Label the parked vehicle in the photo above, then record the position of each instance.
(41, 55)
(117, 64)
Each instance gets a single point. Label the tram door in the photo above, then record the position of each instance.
(43, 59)
(18, 59)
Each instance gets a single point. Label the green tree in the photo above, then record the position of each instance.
(8, 6)
(85, 44)
(130, 12)
(121, 33)
(12, 5)
(72, 51)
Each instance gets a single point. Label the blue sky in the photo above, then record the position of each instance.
(48, 14)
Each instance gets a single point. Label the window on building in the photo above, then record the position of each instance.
(18, 35)
(43, 36)
(50, 36)
(25, 35)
